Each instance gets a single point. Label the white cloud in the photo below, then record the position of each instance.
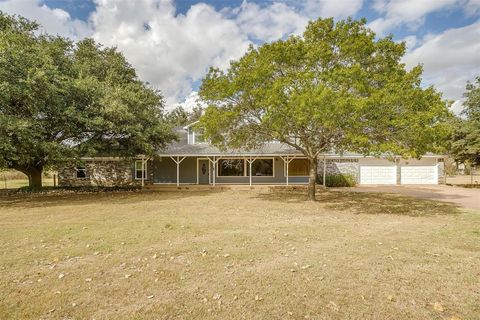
(410, 13)
(52, 20)
(175, 51)
(268, 23)
(472, 8)
(410, 41)
(191, 101)
(450, 59)
(332, 8)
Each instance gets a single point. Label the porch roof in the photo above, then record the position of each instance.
(183, 148)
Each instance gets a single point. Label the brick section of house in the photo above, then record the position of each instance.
(103, 173)
(441, 172)
(338, 166)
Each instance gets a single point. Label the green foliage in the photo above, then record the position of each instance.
(336, 88)
(466, 138)
(340, 180)
(60, 101)
(181, 117)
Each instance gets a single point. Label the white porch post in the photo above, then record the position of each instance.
(214, 170)
(250, 170)
(214, 164)
(178, 171)
(250, 161)
(143, 172)
(288, 162)
(178, 161)
(324, 170)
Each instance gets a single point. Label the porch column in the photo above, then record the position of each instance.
(178, 161)
(214, 164)
(288, 162)
(250, 161)
(214, 170)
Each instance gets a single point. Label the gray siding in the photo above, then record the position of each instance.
(165, 171)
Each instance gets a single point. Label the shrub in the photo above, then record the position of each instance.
(340, 180)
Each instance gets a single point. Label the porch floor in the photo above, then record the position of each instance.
(218, 187)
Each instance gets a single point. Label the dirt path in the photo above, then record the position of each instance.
(464, 197)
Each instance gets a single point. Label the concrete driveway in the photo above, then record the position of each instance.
(464, 197)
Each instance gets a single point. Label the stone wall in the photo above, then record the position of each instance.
(441, 171)
(338, 166)
(103, 173)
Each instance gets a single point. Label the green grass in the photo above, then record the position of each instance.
(236, 255)
(12, 179)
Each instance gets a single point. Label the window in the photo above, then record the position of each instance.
(198, 136)
(81, 171)
(299, 168)
(261, 168)
(138, 170)
(231, 167)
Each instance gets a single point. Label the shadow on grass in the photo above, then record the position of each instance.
(367, 203)
(32, 200)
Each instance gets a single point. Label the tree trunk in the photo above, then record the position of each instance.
(34, 174)
(35, 178)
(312, 179)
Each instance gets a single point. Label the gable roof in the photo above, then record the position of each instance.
(181, 147)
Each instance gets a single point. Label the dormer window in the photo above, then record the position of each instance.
(198, 136)
(195, 134)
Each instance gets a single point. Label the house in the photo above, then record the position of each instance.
(192, 160)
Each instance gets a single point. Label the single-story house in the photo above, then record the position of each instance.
(192, 160)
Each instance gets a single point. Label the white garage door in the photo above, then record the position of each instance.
(419, 175)
(378, 175)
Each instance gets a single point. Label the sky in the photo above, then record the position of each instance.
(172, 43)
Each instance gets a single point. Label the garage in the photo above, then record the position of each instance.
(377, 171)
(418, 171)
(382, 171)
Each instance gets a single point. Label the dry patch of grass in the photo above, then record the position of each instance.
(12, 179)
(237, 255)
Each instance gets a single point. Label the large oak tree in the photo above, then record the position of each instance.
(336, 88)
(61, 100)
(466, 137)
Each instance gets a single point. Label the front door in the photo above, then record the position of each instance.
(203, 171)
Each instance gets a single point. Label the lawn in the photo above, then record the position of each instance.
(12, 179)
(237, 255)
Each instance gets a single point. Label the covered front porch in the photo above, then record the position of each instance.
(215, 170)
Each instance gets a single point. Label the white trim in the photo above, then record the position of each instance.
(264, 183)
(177, 162)
(245, 161)
(174, 184)
(234, 158)
(301, 155)
(265, 158)
(191, 124)
(84, 170)
(209, 171)
(144, 169)
(230, 183)
(194, 138)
